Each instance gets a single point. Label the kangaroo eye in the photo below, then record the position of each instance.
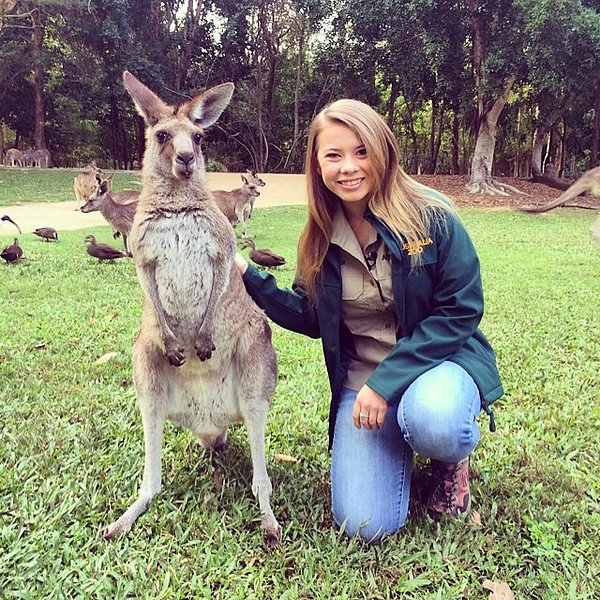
(162, 136)
(197, 138)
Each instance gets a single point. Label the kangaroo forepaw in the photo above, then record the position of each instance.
(204, 348)
(175, 356)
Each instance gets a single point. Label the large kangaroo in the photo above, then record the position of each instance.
(204, 356)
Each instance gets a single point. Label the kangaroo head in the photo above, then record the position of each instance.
(251, 173)
(250, 187)
(174, 133)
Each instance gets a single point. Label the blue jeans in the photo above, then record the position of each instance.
(371, 470)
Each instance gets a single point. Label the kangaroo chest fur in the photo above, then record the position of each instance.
(189, 253)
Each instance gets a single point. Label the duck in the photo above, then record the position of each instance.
(47, 233)
(9, 220)
(102, 251)
(263, 257)
(12, 253)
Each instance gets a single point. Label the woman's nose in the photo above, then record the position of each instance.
(348, 165)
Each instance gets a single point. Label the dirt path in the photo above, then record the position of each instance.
(279, 190)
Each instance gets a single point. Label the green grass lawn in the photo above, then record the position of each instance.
(51, 185)
(71, 447)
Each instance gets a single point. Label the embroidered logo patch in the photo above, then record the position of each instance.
(416, 247)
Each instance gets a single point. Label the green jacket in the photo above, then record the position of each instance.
(439, 307)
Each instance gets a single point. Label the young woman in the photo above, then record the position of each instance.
(388, 278)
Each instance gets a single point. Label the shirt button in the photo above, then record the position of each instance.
(372, 283)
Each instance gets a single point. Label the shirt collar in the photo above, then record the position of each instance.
(344, 237)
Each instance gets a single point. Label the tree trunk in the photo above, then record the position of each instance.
(437, 139)
(596, 131)
(391, 107)
(413, 136)
(455, 167)
(483, 157)
(430, 168)
(38, 79)
(293, 163)
(119, 155)
(539, 139)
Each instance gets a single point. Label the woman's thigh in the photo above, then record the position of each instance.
(370, 475)
(437, 413)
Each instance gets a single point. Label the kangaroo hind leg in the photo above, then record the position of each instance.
(255, 417)
(151, 481)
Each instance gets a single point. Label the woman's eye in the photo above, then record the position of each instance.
(361, 152)
(162, 137)
(197, 138)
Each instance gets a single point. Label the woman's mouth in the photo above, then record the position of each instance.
(351, 183)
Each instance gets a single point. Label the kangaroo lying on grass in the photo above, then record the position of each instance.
(204, 356)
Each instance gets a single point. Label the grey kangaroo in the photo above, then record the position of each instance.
(204, 357)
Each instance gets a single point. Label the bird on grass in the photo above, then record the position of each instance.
(9, 220)
(47, 233)
(12, 253)
(102, 251)
(263, 257)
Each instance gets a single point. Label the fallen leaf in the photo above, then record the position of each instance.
(476, 518)
(498, 591)
(286, 458)
(218, 480)
(106, 357)
(111, 316)
(41, 345)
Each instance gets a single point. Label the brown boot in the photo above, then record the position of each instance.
(450, 493)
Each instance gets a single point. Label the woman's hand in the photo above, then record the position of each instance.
(369, 409)
(240, 263)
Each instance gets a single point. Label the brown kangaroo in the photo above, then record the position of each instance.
(204, 357)
(118, 208)
(588, 182)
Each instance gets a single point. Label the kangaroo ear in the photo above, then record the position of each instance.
(205, 109)
(244, 180)
(148, 104)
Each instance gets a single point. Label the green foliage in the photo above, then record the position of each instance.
(71, 448)
(412, 60)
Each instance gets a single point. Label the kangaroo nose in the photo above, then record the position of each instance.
(185, 158)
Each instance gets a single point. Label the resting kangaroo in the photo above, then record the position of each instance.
(204, 356)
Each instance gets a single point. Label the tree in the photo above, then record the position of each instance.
(563, 55)
(497, 63)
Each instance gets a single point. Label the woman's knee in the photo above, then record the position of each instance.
(437, 413)
(369, 526)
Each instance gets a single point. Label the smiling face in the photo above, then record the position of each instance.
(345, 166)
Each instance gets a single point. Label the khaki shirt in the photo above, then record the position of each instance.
(367, 300)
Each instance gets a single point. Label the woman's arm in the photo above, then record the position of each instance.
(288, 308)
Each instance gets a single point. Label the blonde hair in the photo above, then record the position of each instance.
(406, 206)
